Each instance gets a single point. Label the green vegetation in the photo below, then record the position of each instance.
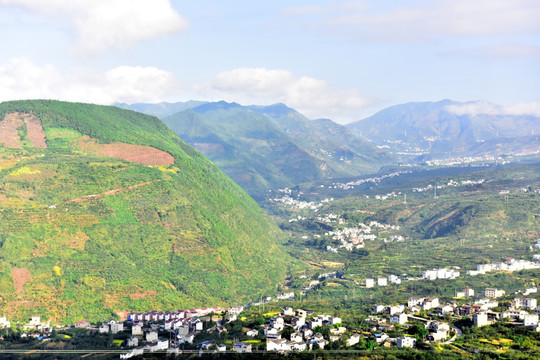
(181, 235)
(264, 148)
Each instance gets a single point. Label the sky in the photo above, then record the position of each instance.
(342, 60)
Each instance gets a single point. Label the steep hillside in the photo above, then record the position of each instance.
(441, 129)
(105, 210)
(270, 147)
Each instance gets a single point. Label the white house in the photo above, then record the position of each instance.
(136, 329)
(353, 340)
(526, 303)
(151, 336)
(382, 281)
(530, 320)
(370, 283)
(404, 342)
(398, 318)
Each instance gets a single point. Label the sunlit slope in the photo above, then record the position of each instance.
(113, 212)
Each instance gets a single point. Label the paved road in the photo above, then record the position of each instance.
(458, 334)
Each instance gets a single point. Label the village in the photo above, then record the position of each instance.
(418, 319)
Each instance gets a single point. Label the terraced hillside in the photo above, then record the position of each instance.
(104, 210)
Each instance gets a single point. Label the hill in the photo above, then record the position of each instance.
(270, 147)
(446, 129)
(105, 210)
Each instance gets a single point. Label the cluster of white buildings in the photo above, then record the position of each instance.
(374, 180)
(451, 183)
(440, 274)
(304, 336)
(508, 265)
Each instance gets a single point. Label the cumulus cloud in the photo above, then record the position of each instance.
(486, 108)
(20, 78)
(313, 97)
(425, 20)
(104, 24)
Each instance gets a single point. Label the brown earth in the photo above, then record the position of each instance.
(35, 132)
(8, 130)
(143, 294)
(144, 155)
(20, 276)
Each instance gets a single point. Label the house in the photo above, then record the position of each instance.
(297, 346)
(132, 341)
(4, 322)
(271, 332)
(301, 313)
(221, 347)
(530, 320)
(151, 336)
(370, 283)
(242, 348)
(415, 300)
(439, 335)
(252, 333)
(445, 310)
(297, 322)
(116, 327)
(494, 293)
(288, 311)
(465, 310)
(437, 326)
(526, 303)
(406, 342)
(377, 308)
(353, 340)
(82, 324)
(277, 345)
(296, 337)
(136, 329)
(187, 338)
(104, 328)
(513, 314)
(468, 292)
(380, 338)
(382, 281)
(394, 309)
(481, 319)
(398, 318)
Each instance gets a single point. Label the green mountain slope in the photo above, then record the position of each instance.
(86, 233)
(270, 147)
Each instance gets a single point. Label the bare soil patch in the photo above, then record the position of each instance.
(8, 130)
(140, 154)
(35, 132)
(143, 294)
(20, 276)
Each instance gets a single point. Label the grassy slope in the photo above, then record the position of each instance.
(190, 238)
(255, 153)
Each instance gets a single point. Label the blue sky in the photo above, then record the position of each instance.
(338, 59)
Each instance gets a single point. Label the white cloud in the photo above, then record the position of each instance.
(104, 24)
(426, 20)
(313, 97)
(22, 79)
(485, 108)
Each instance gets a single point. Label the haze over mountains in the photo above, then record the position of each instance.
(448, 129)
(268, 147)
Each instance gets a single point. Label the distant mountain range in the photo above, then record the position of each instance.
(269, 147)
(448, 129)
